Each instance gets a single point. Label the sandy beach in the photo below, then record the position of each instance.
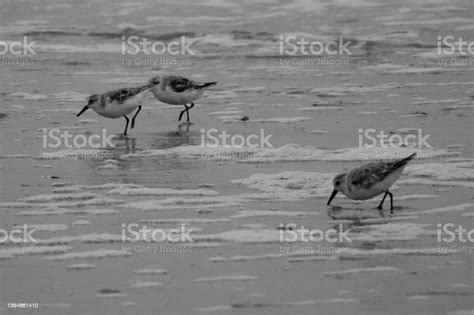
(227, 214)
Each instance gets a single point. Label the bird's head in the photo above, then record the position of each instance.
(155, 80)
(92, 102)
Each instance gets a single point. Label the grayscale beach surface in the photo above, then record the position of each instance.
(241, 205)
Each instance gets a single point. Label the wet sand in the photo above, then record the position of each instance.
(237, 199)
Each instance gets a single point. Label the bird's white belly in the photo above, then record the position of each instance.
(115, 110)
(361, 193)
(173, 98)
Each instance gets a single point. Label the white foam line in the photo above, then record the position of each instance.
(377, 220)
(347, 253)
(286, 153)
(415, 196)
(185, 220)
(281, 119)
(460, 207)
(186, 203)
(202, 245)
(264, 257)
(80, 267)
(15, 156)
(312, 258)
(46, 227)
(264, 213)
(91, 202)
(97, 187)
(94, 254)
(242, 236)
(111, 295)
(66, 211)
(218, 308)
(318, 131)
(428, 182)
(60, 197)
(43, 250)
(318, 108)
(161, 192)
(314, 302)
(226, 278)
(146, 284)
(392, 251)
(19, 205)
(151, 272)
(359, 270)
(86, 238)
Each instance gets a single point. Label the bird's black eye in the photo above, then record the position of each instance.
(338, 183)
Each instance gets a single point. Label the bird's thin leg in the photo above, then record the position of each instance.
(126, 126)
(133, 119)
(182, 112)
(391, 201)
(187, 110)
(383, 199)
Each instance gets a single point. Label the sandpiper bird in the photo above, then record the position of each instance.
(118, 103)
(370, 180)
(177, 90)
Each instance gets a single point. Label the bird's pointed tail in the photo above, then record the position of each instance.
(205, 85)
(404, 161)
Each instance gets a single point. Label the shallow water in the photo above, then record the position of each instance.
(238, 202)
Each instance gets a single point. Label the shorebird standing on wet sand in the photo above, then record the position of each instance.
(175, 90)
(370, 180)
(118, 103)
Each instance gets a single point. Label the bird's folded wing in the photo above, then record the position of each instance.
(180, 84)
(121, 95)
(368, 175)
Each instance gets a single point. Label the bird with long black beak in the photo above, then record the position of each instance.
(118, 103)
(370, 180)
